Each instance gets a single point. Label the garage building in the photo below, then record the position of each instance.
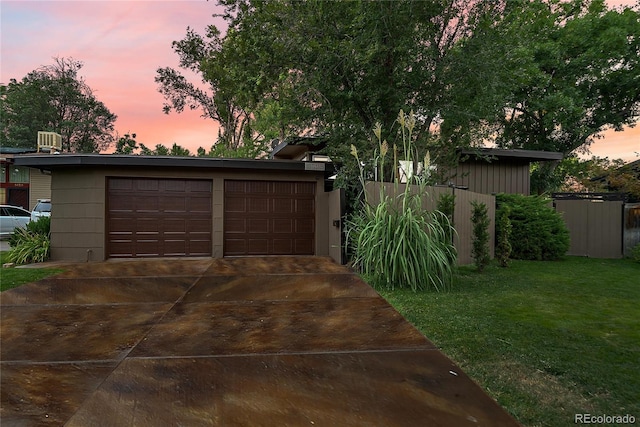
(118, 206)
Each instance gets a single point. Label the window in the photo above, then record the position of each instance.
(18, 174)
(3, 173)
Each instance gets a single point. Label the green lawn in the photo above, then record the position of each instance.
(546, 339)
(12, 277)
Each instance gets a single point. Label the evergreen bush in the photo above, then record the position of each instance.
(503, 235)
(538, 232)
(480, 243)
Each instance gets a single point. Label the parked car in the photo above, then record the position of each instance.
(12, 217)
(42, 208)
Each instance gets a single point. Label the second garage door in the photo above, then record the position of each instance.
(269, 218)
(158, 217)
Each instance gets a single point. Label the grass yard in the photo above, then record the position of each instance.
(546, 339)
(12, 277)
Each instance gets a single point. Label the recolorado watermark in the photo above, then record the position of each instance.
(604, 419)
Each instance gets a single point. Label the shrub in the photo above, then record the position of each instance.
(538, 232)
(503, 246)
(480, 245)
(397, 243)
(32, 243)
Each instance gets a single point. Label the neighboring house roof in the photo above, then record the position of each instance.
(524, 155)
(16, 150)
(53, 161)
(297, 148)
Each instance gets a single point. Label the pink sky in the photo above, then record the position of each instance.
(122, 43)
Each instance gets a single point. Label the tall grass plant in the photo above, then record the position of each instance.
(397, 242)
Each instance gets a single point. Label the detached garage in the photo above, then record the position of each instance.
(115, 206)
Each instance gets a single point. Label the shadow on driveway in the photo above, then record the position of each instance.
(242, 341)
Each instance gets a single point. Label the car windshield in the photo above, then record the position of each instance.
(43, 207)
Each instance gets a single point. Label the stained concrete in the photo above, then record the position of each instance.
(240, 341)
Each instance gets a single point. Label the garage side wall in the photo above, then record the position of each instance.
(78, 225)
(77, 220)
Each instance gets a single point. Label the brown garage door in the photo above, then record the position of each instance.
(158, 217)
(269, 218)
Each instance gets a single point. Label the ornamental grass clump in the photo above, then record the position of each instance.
(31, 243)
(396, 242)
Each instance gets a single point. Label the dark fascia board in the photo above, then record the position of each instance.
(525, 155)
(56, 161)
(310, 143)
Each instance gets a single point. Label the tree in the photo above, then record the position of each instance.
(570, 69)
(204, 56)
(325, 68)
(126, 144)
(55, 98)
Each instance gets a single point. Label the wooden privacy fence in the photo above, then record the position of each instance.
(461, 216)
(595, 223)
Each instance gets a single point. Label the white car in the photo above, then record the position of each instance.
(42, 208)
(12, 217)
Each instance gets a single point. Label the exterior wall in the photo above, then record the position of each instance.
(461, 216)
(39, 187)
(500, 176)
(78, 225)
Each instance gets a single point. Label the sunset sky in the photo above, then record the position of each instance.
(122, 43)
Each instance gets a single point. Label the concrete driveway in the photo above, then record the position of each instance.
(297, 341)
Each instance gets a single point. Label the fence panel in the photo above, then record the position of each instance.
(461, 216)
(595, 227)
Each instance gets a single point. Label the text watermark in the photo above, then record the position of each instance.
(604, 419)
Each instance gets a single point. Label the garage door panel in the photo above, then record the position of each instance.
(303, 206)
(305, 225)
(119, 225)
(142, 185)
(151, 217)
(308, 188)
(283, 225)
(177, 204)
(256, 226)
(147, 225)
(283, 247)
(258, 187)
(281, 211)
(122, 203)
(236, 226)
(257, 246)
(175, 225)
(258, 205)
(235, 246)
(283, 205)
(302, 247)
(284, 188)
(199, 204)
(146, 203)
(175, 247)
(199, 247)
(233, 204)
(201, 226)
(174, 185)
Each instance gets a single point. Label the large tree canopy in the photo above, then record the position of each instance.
(324, 68)
(570, 69)
(55, 98)
(541, 74)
